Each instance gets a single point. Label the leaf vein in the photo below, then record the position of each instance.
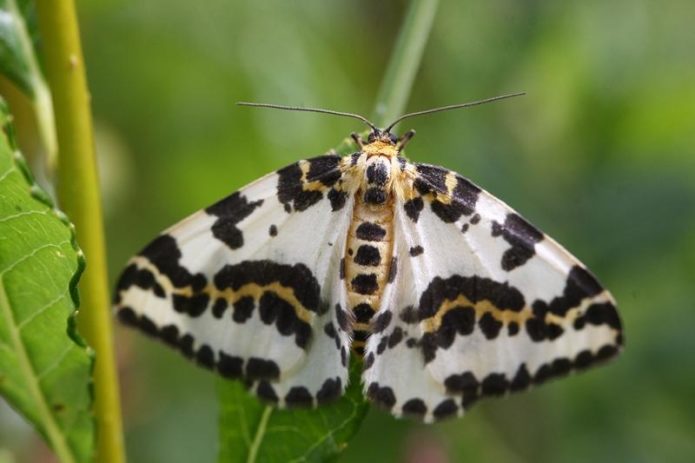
(41, 310)
(32, 254)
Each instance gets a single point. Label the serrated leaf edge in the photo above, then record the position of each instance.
(55, 436)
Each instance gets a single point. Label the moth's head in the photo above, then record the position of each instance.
(382, 136)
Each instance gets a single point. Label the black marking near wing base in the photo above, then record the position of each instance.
(304, 183)
(459, 197)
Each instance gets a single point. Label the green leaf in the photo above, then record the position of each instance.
(45, 369)
(252, 432)
(19, 63)
(16, 50)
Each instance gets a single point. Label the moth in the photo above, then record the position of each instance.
(446, 293)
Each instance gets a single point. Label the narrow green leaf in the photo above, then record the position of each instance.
(19, 63)
(405, 61)
(45, 369)
(251, 432)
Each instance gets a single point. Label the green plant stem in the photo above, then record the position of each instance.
(79, 197)
(405, 61)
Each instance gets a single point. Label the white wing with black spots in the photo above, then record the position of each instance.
(395, 376)
(494, 305)
(249, 285)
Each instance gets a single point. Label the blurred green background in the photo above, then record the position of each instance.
(600, 154)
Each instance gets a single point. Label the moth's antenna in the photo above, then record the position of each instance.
(453, 106)
(309, 110)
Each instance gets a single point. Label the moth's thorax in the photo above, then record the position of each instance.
(379, 163)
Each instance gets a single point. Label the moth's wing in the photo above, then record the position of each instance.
(489, 304)
(250, 286)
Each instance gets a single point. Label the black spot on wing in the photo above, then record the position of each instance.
(489, 325)
(265, 391)
(369, 361)
(382, 396)
(461, 383)
(413, 207)
(495, 384)
(164, 253)
(396, 337)
(512, 328)
(219, 307)
(229, 212)
(416, 251)
(257, 368)
(342, 319)
(382, 321)
(299, 396)
(143, 278)
(580, 284)
(456, 321)
(414, 408)
(325, 169)
(434, 176)
(291, 187)
(230, 366)
(446, 409)
(193, 306)
(275, 310)
(462, 198)
(243, 309)
(330, 390)
(466, 196)
(603, 314)
(523, 238)
(521, 380)
(337, 199)
(205, 357)
(393, 269)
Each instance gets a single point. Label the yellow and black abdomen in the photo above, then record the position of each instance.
(369, 249)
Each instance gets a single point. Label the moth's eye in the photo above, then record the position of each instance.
(393, 138)
(372, 137)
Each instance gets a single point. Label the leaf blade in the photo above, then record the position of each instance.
(252, 432)
(45, 370)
